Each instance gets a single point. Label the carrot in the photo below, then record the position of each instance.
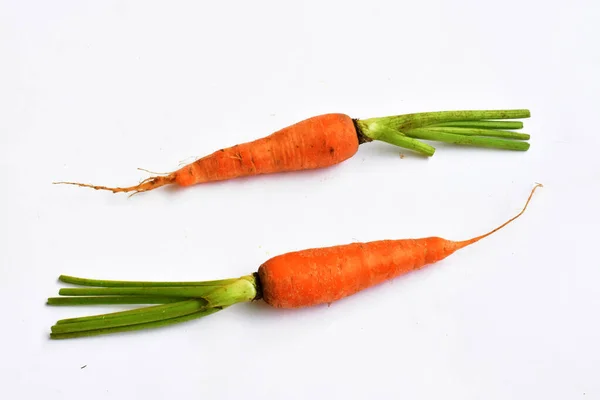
(330, 139)
(296, 279)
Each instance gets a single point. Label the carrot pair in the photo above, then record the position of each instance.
(300, 278)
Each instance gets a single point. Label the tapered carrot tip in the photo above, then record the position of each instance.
(465, 243)
(144, 186)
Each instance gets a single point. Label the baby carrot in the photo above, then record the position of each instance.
(296, 279)
(330, 139)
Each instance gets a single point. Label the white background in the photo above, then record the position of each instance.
(92, 90)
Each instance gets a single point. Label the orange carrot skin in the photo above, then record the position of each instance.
(316, 142)
(324, 275)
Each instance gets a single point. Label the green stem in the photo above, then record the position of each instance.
(397, 129)
(95, 300)
(397, 138)
(106, 283)
(129, 313)
(134, 317)
(241, 291)
(181, 291)
(479, 132)
(200, 298)
(483, 124)
(475, 141)
(409, 121)
(147, 325)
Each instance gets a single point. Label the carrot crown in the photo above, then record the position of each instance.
(483, 128)
(173, 302)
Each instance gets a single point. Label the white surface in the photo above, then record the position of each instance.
(89, 91)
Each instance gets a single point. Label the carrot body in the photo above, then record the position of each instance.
(324, 275)
(316, 142)
(316, 276)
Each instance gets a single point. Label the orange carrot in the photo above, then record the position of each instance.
(297, 279)
(324, 275)
(329, 139)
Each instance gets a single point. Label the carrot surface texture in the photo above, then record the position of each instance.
(330, 139)
(292, 280)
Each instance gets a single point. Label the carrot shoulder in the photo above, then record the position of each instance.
(296, 279)
(329, 139)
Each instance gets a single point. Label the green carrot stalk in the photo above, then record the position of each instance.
(483, 124)
(136, 326)
(470, 128)
(144, 315)
(467, 140)
(100, 300)
(186, 301)
(108, 283)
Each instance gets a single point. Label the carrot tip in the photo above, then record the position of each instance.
(465, 243)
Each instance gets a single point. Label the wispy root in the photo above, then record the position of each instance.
(144, 186)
